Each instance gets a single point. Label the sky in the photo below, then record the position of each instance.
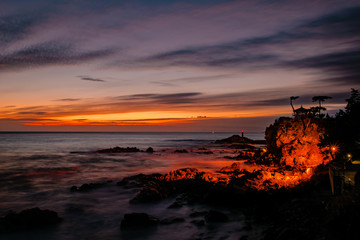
(121, 65)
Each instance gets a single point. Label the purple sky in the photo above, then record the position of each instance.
(164, 65)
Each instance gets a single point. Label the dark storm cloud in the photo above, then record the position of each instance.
(87, 78)
(47, 54)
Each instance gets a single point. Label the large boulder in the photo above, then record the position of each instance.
(151, 192)
(28, 219)
(295, 142)
(138, 220)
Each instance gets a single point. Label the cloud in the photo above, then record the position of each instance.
(329, 43)
(87, 78)
(174, 98)
(47, 54)
(67, 99)
(32, 113)
(341, 67)
(14, 27)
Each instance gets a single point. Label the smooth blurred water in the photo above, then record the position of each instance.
(38, 169)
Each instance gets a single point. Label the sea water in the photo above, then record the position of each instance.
(38, 169)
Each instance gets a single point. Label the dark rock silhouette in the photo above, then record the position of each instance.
(216, 216)
(149, 150)
(27, 220)
(88, 186)
(181, 151)
(138, 221)
(119, 150)
(172, 220)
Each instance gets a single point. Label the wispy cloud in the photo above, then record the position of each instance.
(87, 78)
(67, 100)
(47, 54)
(329, 43)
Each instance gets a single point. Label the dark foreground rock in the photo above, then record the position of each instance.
(216, 216)
(28, 219)
(138, 221)
(172, 220)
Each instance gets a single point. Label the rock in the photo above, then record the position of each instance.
(150, 193)
(184, 173)
(181, 151)
(138, 220)
(198, 214)
(119, 150)
(215, 216)
(175, 205)
(198, 223)
(88, 186)
(172, 220)
(28, 219)
(139, 180)
(295, 142)
(234, 139)
(149, 150)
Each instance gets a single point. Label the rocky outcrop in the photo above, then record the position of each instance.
(119, 150)
(295, 142)
(238, 139)
(216, 216)
(151, 192)
(138, 221)
(89, 186)
(28, 219)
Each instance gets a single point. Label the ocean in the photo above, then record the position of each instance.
(38, 169)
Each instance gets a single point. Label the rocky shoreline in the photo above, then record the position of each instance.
(306, 211)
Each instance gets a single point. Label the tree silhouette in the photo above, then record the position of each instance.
(292, 98)
(320, 99)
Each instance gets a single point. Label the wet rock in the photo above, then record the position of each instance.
(238, 139)
(172, 220)
(28, 219)
(139, 180)
(205, 152)
(138, 220)
(181, 151)
(150, 193)
(198, 223)
(244, 237)
(176, 205)
(149, 150)
(198, 214)
(215, 216)
(119, 150)
(234, 139)
(88, 186)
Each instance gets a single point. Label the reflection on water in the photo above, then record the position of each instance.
(39, 169)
